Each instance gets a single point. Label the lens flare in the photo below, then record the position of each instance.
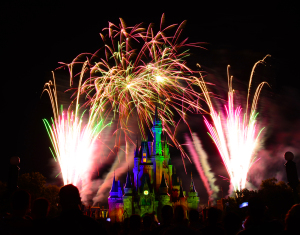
(235, 134)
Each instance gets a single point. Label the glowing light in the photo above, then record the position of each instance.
(130, 82)
(159, 78)
(146, 192)
(72, 141)
(235, 134)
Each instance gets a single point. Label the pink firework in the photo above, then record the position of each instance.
(73, 140)
(235, 133)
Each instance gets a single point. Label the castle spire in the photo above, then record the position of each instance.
(128, 181)
(192, 186)
(175, 181)
(157, 130)
(119, 189)
(163, 183)
(136, 152)
(163, 188)
(156, 114)
(114, 188)
(181, 190)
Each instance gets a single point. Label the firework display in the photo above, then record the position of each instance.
(138, 72)
(235, 134)
(141, 70)
(72, 140)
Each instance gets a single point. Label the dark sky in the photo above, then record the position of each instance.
(36, 35)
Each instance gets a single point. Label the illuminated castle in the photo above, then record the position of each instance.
(154, 182)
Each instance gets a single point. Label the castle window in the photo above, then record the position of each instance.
(144, 154)
(144, 160)
(146, 192)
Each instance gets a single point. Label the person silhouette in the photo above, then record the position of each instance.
(180, 226)
(39, 212)
(292, 219)
(18, 222)
(71, 220)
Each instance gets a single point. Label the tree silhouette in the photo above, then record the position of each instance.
(35, 184)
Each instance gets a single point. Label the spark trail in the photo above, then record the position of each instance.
(235, 134)
(141, 69)
(200, 160)
(73, 141)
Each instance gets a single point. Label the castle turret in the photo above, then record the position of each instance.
(182, 197)
(193, 199)
(163, 188)
(115, 202)
(170, 167)
(157, 149)
(157, 130)
(150, 142)
(120, 193)
(166, 149)
(114, 189)
(164, 197)
(136, 164)
(175, 186)
(128, 197)
(128, 186)
(136, 151)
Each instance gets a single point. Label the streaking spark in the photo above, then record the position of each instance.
(73, 141)
(141, 70)
(235, 133)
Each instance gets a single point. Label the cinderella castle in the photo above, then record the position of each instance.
(153, 182)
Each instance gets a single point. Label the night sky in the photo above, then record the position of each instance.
(36, 35)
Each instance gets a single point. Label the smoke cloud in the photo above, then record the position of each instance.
(200, 160)
(118, 168)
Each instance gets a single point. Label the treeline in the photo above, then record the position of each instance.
(277, 196)
(35, 184)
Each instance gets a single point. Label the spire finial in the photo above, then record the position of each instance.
(163, 183)
(155, 115)
(181, 189)
(128, 180)
(192, 186)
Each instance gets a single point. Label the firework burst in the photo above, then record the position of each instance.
(235, 134)
(73, 141)
(141, 70)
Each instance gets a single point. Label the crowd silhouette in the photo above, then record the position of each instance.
(25, 218)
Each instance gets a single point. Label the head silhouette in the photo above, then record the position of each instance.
(20, 202)
(147, 221)
(292, 219)
(40, 208)
(135, 222)
(166, 214)
(214, 215)
(179, 214)
(193, 216)
(69, 197)
(289, 156)
(256, 207)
